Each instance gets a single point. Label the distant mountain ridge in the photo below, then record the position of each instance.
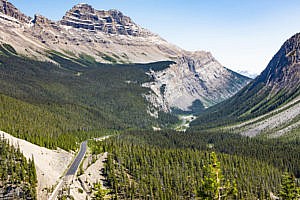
(270, 103)
(111, 37)
(196, 81)
(248, 73)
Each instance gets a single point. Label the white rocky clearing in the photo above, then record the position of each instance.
(185, 122)
(50, 164)
(82, 186)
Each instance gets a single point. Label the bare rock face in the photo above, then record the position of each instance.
(283, 71)
(42, 21)
(112, 21)
(10, 10)
(44, 30)
(197, 79)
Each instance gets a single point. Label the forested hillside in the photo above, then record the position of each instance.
(17, 175)
(169, 165)
(280, 153)
(48, 103)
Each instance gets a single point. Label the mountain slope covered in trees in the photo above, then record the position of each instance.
(44, 102)
(171, 165)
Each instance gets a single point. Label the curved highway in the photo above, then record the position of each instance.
(73, 168)
(71, 171)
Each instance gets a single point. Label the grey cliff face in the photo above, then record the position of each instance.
(283, 71)
(111, 22)
(10, 10)
(195, 77)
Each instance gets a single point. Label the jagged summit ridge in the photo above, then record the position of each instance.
(112, 21)
(10, 10)
(283, 71)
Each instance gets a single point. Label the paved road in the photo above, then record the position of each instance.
(72, 170)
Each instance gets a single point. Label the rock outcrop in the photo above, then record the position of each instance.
(283, 71)
(111, 21)
(10, 10)
(43, 22)
(196, 80)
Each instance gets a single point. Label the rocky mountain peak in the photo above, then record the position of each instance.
(83, 8)
(196, 60)
(112, 21)
(10, 10)
(196, 81)
(283, 71)
(40, 20)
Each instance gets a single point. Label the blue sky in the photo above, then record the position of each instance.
(241, 34)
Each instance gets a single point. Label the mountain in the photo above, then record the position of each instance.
(247, 73)
(103, 38)
(270, 103)
(111, 37)
(195, 82)
(10, 13)
(68, 81)
(111, 22)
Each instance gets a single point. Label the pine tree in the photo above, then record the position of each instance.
(100, 192)
(212, 183)
(288, 190)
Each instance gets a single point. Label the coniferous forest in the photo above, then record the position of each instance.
(57, 106)
(18, 178)
(60, 106)
(164, 165)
